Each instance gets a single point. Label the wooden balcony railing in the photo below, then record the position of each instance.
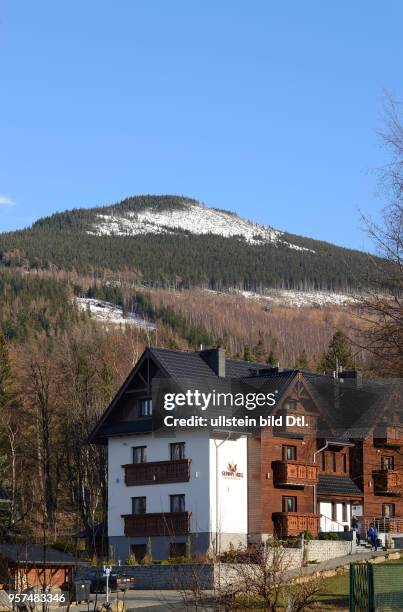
(294, 473)
(292, 523)
(157, 472)
(388, 482)
(157, 524)
(390, 436)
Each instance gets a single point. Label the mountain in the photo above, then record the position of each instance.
(177, 241)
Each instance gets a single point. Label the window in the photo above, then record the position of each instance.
(289, 504)
(334, 462)
(177, 450)
(388, 463)
(139, 551)
(177, 549)
(138, 505)
(289, 453)
(139, 454)
(146, 407)
(388, 510)
(323, 462)
(344, 463)
(290, 404)
(177, 503)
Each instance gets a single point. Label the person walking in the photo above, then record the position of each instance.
(356, 527)
(375, 539)
(358, 534)
(372, 537)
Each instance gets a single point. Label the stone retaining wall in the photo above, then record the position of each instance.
(324, 550)
(206, 576)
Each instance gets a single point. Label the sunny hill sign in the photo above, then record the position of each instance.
(232, 472)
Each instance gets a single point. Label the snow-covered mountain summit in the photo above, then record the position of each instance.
(190, 217)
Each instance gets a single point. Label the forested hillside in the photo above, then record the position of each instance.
(60, 365)
(59, 368)
(131, 237)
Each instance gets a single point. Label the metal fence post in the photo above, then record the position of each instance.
(371, 601)
(351, 593)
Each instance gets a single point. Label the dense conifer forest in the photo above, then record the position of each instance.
(181, 259)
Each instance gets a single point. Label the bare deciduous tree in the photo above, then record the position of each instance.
(382, 312)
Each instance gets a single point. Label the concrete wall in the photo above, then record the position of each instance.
(162, 576)
(324, 550)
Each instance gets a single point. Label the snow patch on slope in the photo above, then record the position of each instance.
(303, 299)
(111, 314)
(193, 218)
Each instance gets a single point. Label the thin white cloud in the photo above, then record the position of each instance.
(5, 201)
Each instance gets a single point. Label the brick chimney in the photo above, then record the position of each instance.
(215, 358)
(351, 374)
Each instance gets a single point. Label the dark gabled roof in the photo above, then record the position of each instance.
(380, 399)
(182, 364)
(337, 485)
(239, 369)
(36, 554)
(189, 364)
(349, 408)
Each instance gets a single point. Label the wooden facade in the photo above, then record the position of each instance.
(294, 473)
(157, 472)
(157, 524)
(293, 523)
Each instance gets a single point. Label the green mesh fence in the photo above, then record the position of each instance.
(376, 588)
(359, 595)
(388, 586)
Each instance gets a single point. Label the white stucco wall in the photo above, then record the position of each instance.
(229, 495)
(229, 507)
(326, 522)
(196, 490)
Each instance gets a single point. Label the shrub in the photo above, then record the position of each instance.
(329, 536)
(132, 560)
(306, 534)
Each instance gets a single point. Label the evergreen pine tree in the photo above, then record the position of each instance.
(247, 355)
(338, 354)
(302, 361)
(258, 351)
(5, 373)
(271, 359)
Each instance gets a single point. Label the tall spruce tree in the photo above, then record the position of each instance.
(5, 373)
(338, 354)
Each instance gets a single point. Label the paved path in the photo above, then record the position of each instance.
(147, 601)
(362, 555)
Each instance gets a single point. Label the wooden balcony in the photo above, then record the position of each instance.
(157, 472)
(389, 436)
(292, 523)
(387, 482)
(294, 473)
(157, 524)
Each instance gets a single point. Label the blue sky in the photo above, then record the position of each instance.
(270, 109)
